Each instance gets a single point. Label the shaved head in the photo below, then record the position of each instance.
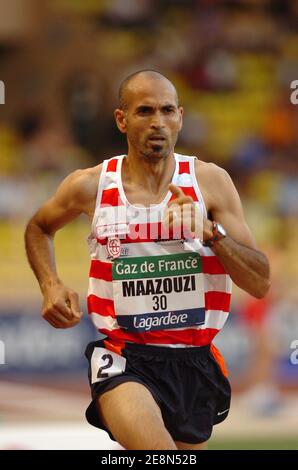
(135, 80)
(149, 115)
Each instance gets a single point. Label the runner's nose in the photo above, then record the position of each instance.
(157, 121)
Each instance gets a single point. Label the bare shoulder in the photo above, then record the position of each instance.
(210, 173)
(214, 182)
(84, 183)
(78, 190)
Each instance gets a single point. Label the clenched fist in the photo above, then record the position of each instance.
(61, 306)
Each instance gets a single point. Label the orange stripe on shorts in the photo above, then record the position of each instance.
(219, 359)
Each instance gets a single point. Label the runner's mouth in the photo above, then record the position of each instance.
(157, 138)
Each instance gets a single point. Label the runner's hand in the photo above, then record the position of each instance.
(182, 216)
(61, 306)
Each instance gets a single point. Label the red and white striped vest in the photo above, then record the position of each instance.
(143, 289)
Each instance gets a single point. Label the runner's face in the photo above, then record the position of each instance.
(152, 119)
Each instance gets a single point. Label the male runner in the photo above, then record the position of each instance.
(157, 381)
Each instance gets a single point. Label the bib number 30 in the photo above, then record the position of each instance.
(160, 302)
(106, 364)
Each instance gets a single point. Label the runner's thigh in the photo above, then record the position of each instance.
(132, 415)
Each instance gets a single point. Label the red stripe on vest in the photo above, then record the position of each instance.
(101, 270)
(111, 197)
(212, 265)
(112, 165)
(104, 307)
(189, 337)
(217, 301)
(184, 168)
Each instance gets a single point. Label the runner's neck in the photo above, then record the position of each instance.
(150, 177)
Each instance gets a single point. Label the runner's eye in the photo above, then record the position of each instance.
(144, 110)
(168, 109)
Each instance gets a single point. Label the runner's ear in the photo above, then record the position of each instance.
(120, 117)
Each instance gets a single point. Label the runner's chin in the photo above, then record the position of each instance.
(158, 148)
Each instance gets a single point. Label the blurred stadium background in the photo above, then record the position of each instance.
(61, 62)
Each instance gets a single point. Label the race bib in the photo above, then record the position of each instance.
(105, 364)
(159, 292)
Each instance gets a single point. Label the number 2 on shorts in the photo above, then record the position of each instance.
(105, 357)
(106, 364)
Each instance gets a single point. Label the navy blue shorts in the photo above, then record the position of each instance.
(187, 383)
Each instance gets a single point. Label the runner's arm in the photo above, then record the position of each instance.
(247, 266)
(61, 305)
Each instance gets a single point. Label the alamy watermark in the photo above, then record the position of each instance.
(293, 97)
(156, 222)
(2, 352)
(294, 354)
(294, 94)
(2, 92)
